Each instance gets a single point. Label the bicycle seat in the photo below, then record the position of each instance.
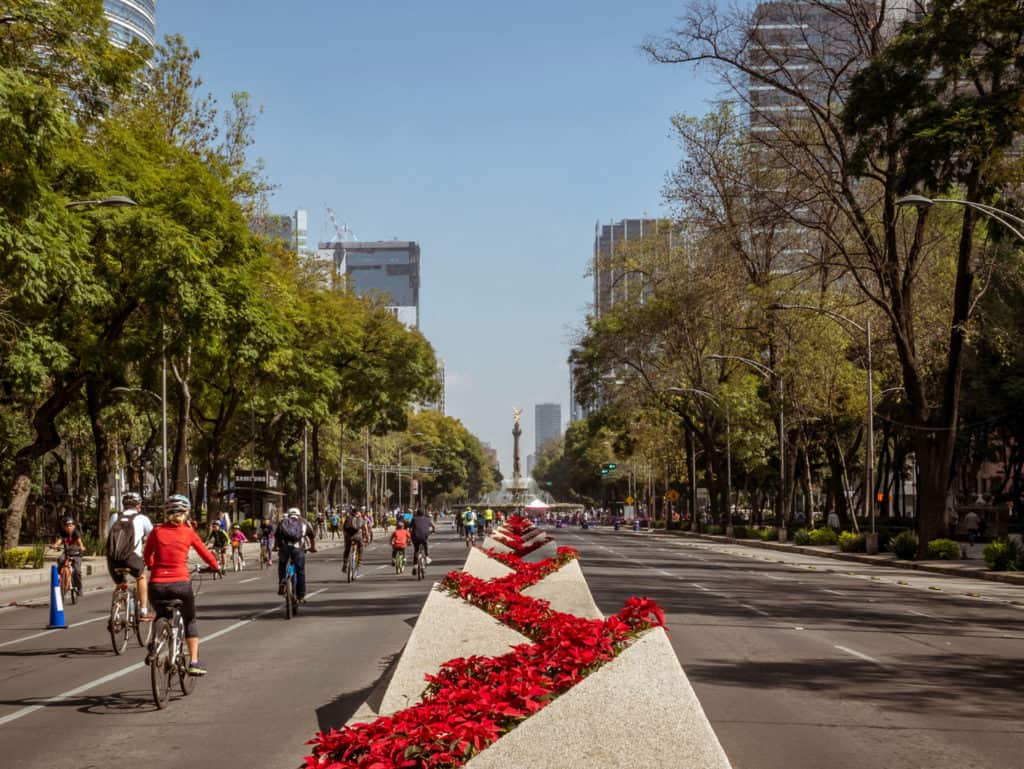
(174, 603)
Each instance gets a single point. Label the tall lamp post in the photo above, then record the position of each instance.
(871, 541)
(728, 451)
(769, 373)
(1013, 223)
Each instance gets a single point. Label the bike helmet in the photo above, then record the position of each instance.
(131, 499)
(177, 504)
(294, 512)
(68, 521)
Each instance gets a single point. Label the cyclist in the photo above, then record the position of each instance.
(321, 526)
(469, 524)
(335, 523)
(166, 555)
(126, 533)
(266, 537)
(354, 531)
(399, 540)
(488, 519)
(422, 528)
(70, 541)
(294, 536)
(218, 543)
(238, 538)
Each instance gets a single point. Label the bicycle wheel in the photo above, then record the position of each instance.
(161, 666)
(143, 630)
(399, 564)
(289, 597)
(65, 586)
(118, 623)
(351, 573)
(421, 566)
(197, 582)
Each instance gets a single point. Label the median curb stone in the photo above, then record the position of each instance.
(548, 550)
(482, 566)
(639, 710)
(447, 628)
(567, 591)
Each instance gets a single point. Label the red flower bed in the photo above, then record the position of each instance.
(518, 525)
(517, 544)
(472, 701)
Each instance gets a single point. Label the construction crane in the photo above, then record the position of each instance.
(342, 232)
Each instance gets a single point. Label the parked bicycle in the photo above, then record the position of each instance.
(125, 617)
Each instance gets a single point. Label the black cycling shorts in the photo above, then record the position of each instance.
(162, 592)
(134, 564)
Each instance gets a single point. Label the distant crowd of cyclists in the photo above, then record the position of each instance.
(134, 545)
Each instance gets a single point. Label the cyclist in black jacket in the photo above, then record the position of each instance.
(422, 528)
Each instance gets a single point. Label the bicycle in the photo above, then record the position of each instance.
(168, 656)
(419, 569)
(125, 617)
(291, 601)
(237, 561)
(264, 554)
(196, 577)
(354, 557)
(67, 582)
(470, 536)
(399, 561)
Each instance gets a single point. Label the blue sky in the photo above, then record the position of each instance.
(494, 134)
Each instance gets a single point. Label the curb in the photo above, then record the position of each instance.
(1008, 578)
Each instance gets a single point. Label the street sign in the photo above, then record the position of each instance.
(672, 495)
(630, 500)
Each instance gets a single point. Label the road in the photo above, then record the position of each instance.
(840, 669)
(272, 683)
(807, 664)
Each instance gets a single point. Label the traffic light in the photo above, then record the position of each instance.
(607, 467)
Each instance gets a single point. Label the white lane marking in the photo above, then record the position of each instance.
(833, 592)
(776, 577)
(856, 653)
(55, 630)
(251, 579)
(755, 610)
(131, 668)
(700, 587)
(921, 614)
(664, 573)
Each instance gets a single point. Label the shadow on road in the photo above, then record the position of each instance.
(339, 710)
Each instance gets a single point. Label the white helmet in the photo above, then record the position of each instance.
(294, 512)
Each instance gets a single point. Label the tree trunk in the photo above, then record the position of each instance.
(934, 453)
(94, 391)
(318, 490)
(47, 439)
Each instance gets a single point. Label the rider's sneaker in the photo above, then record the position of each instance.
(280, 588)
(196, 668)
(302, 600)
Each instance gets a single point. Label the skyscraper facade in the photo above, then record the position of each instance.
(388, 269)
(612, 283)
(547, 421)
(131, 21)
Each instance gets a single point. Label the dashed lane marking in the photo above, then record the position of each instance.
(755, 609)
(251, 579)
(856, 653)
(55, 630)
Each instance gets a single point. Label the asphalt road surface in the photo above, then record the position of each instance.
(803, 668)
(272, 683)
(806, 664)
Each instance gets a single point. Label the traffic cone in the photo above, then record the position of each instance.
(56, 602)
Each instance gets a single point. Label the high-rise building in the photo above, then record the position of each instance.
(289, 229)
(439, 404)
(388, 269)
(531, 462)
(547, 424)
(131, 21)
(613, 284)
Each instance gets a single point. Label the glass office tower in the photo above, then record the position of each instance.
(131, 20)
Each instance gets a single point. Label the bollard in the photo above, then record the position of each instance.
(56, 601)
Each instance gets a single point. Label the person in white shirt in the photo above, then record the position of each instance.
(126, 533)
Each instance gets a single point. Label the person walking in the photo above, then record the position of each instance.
(972, 523)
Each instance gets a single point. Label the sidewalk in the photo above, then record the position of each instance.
(970, 568)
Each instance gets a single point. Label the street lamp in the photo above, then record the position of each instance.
(769, 373)
(871, 542)
(114, 201)
(1001, 216)
(728, 450)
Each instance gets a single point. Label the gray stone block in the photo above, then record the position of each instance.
(548, 550)
(637, 712)
(567, 591)
(490, 543)
(447, 628)
(482, 566)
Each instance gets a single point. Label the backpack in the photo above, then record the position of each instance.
(334, 521)
(292, 530)
(352, 522)
(121, 539)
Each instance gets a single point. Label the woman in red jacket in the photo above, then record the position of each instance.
(166, 555)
